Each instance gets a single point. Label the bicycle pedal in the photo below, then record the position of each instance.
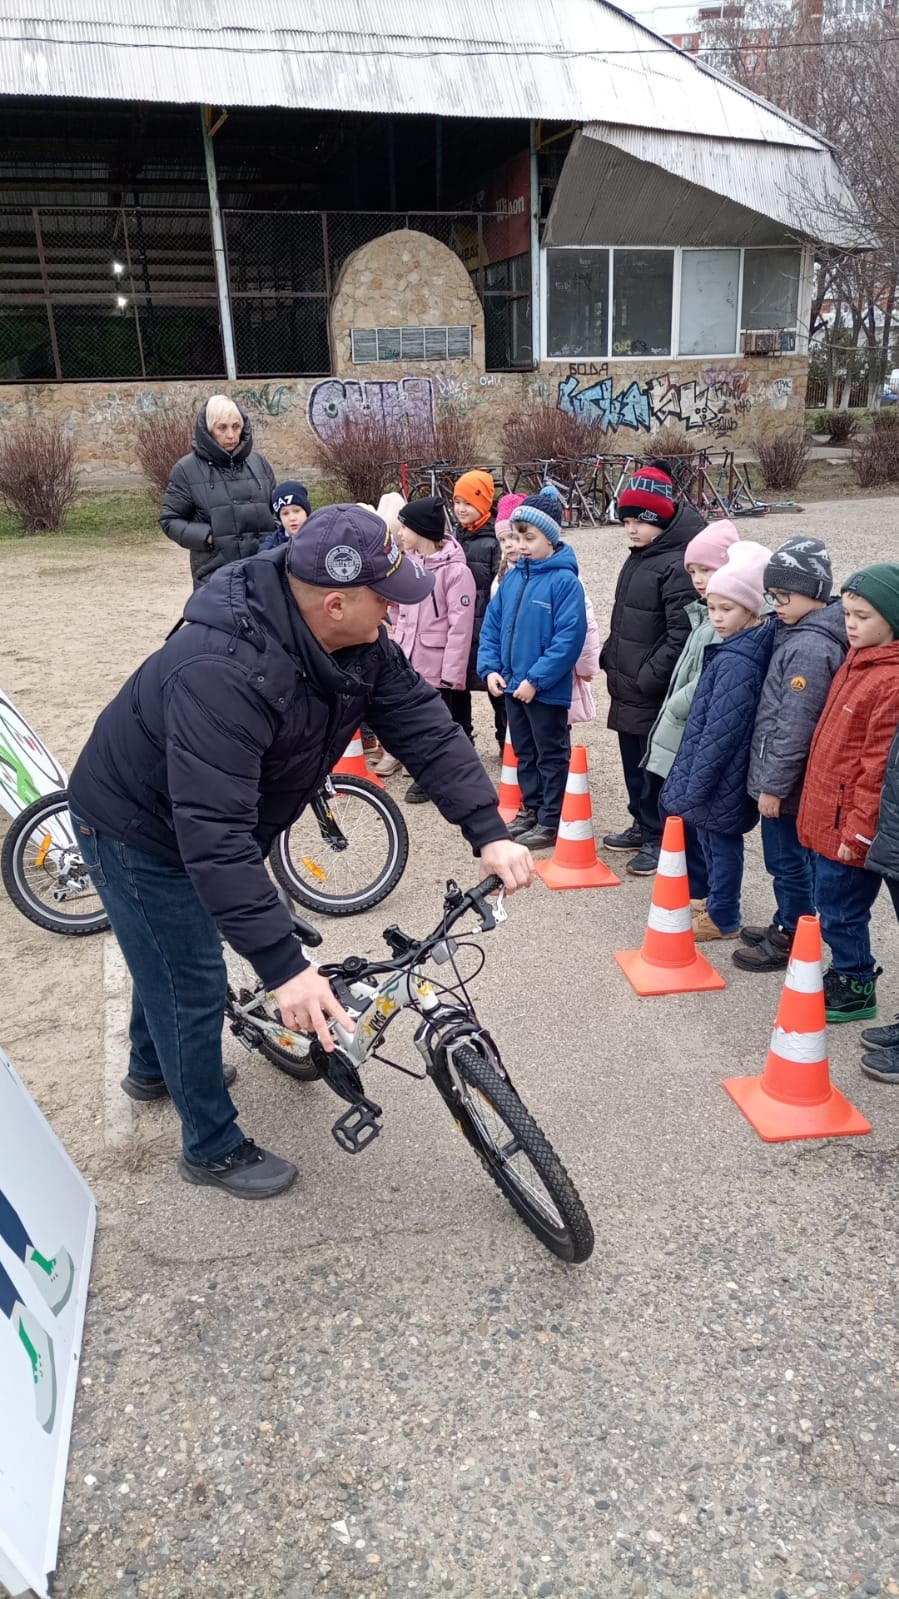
(358, 1127)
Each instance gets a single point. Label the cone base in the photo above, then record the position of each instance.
(778, 1123)
(651, 981)
(508, 812)
(596, 876)
(351, 769)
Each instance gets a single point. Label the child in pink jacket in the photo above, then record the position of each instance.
(583, 705)
(436, 636)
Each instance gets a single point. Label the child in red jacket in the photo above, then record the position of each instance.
(841, 795)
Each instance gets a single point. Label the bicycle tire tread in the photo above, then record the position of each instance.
(18, 831)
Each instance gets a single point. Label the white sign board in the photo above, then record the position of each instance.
(27, 769)
(47, 1220)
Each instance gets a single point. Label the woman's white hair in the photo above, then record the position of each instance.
(220, 408)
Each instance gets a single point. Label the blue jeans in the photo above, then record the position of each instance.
(173, 951)
(844, 896)
(724, 865)
(792, 868)
(697, 873)
(542, 743)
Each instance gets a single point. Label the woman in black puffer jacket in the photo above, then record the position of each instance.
(218, 502)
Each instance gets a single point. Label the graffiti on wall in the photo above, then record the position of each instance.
(333, 403)
(714, 402)
(269, 401)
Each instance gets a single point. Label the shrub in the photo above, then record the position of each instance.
(39, 481)
(671, 442)
(543, 433)
(359, 458)
(782, 457)
(161, 441)
(885, 420)
(818, 422)
(842, 426)
(455, 439)
(874, 457)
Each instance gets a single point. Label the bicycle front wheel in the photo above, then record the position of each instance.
(520, 1159)
(43, 872)
(356, 866)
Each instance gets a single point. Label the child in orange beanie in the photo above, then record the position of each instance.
(473, 496)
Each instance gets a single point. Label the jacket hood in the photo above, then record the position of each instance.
(562, 558)
(205, 446)
(250, 600)
(752, 641)
(684, 526)
(452, 554)
(875, 655)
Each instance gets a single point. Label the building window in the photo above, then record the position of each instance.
(770, 288)
(709, 291)
(642, 293)
(577, 303)
(410, 344)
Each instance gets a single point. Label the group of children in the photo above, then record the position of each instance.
(740, 689)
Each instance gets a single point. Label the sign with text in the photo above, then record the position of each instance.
(47, 1221)
(27, 769)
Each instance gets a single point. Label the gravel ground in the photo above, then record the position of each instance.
(379, 1385)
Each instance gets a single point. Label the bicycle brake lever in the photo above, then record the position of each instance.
(494, 913)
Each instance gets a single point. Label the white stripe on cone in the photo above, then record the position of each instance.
(576, 830)
(804, 977)
(353, 748)
(676, 921)
(672, 863)
(509, 775)
(577, 783)
(805, 1049)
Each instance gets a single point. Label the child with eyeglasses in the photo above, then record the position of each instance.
(809, 645)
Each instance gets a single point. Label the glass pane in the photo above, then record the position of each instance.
(770, 288)
(641, 316)
(708, 302)
(577, 302)
(507, 332)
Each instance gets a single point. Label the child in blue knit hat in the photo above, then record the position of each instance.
(532, 636)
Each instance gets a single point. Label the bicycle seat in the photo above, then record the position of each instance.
(310, 935)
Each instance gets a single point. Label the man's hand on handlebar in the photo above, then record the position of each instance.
(305, 1001)
(509, 861)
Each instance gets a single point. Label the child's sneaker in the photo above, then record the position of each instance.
(522, 823)
(631, 838)
(757, 935)
(848, 998)
(882, 1037)
(705, 930)
(882, 1064)
(770, 954)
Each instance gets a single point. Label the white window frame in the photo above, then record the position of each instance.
(677, 270)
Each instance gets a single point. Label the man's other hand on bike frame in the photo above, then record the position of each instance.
(509, 861)
(307, 1000)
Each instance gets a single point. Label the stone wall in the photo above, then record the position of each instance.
(721, 406)
(408, 279)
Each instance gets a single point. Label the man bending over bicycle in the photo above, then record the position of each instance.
(212, 748)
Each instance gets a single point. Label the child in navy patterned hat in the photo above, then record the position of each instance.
(291, 507)
(532, 637)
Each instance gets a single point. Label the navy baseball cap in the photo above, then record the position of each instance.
(347, 546)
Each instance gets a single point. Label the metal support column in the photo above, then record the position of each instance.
(218, 246)
(535, 252)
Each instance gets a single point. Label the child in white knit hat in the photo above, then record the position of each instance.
(707, 783)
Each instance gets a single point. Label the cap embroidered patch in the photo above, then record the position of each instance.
(343, 563)
(797, 683)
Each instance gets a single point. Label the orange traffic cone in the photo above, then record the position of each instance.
(575, 863)
(352, 761)
(794, 1097)
(669, 962)
(509, 793)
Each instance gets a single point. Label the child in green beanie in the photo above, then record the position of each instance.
(841, 795)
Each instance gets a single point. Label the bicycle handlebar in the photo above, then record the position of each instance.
(409, 951)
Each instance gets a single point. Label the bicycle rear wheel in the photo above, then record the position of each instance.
(43, 872)
(254, 1018)
(520, 1158)
(355, 868)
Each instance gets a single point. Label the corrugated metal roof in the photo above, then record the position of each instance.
(637, 186)
(572, 60)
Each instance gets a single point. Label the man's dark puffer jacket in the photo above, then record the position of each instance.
(483, 556)
(219, 740)
(229, 496)
(883, 856)
(649, 625)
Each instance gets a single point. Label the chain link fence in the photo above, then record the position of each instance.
(125, 292)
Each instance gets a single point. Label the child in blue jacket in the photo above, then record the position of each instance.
(707, 783)
(291, 508)
(532, 635)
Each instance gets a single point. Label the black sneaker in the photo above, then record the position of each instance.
(882, 1064)
(247, 1172)
(757, 935)
(848, 998)
(882, 1037)
(771, 954)
(416, 795)
(646, 861)
(144, 1091)
(522, 823)
(537, 837)
(631, 838)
